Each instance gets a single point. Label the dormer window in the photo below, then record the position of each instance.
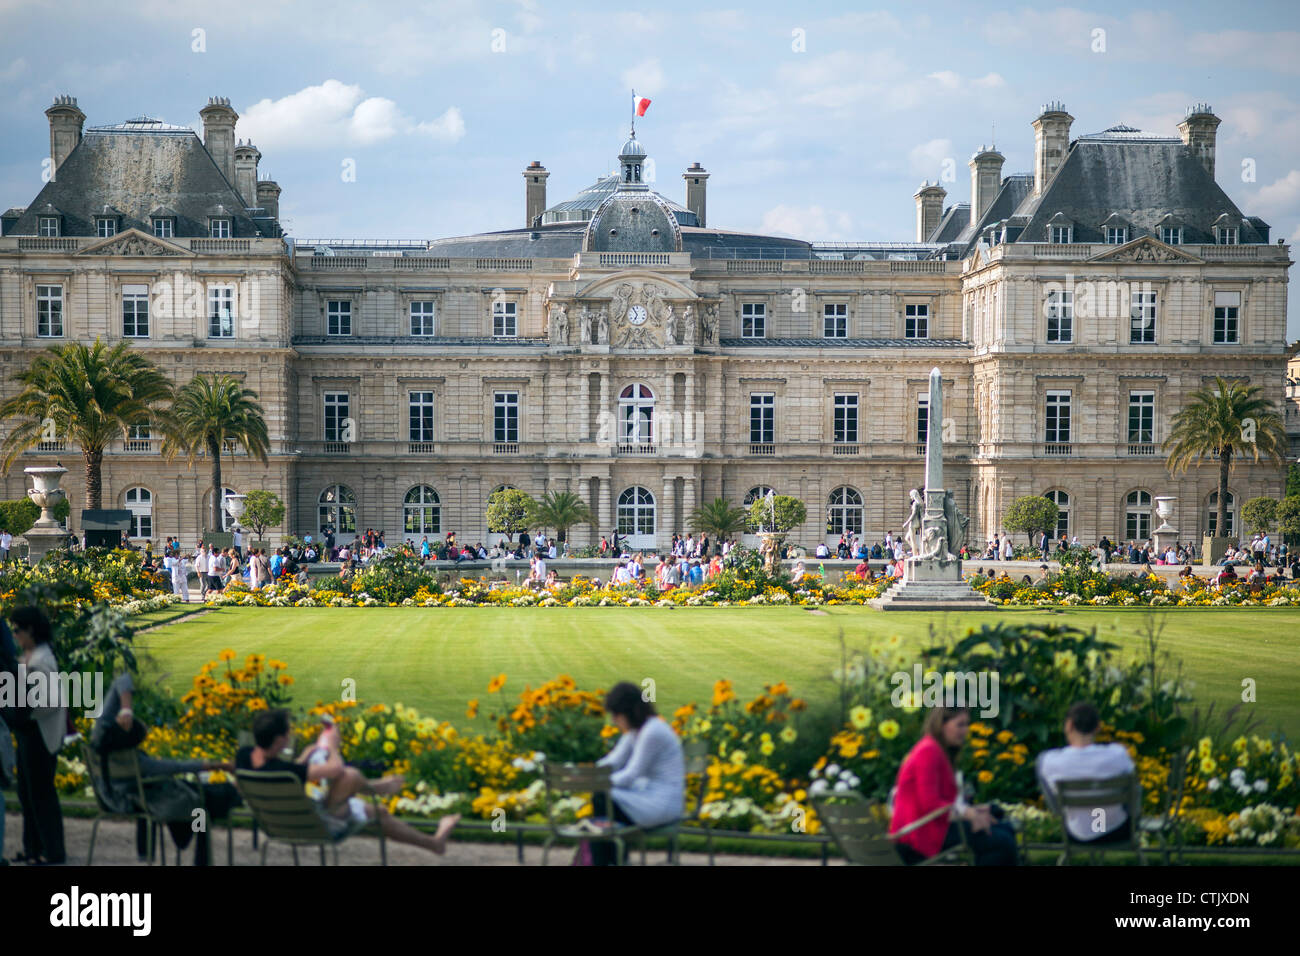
(1225, 235)
(47, 226)
(1116, 235)
(1171, 235)
(1060, 235)
(105, 226)
(219, 228)
(164, 228)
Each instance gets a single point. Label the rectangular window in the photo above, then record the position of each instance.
(753, 320)
(1059, 234)
(916, 322)
(1171, 235)
(1142, 319)
(835, 320)
(221, 312)
(338, 317)
(505, 317)
(846, 419)
(762, 418)
(1226, 235)
(135, 311)
(1057, 419)
(47, 226)
(337, 417)
(1060, 316)
(105, 227)
(421, 407)
(219, 228)
(422, 318)
(922, 418)
(505, 417)
(1116, 235)
(1141, 418)
(1227, 313)
(49, 311)
(163, 228)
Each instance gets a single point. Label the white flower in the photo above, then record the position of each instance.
(841, 787)
(1261, 785)
(1213, 784)
(833, 770)
(817, 786)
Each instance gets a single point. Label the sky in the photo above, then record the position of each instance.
(415, 120)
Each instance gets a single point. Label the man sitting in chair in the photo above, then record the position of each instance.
(341, 808)
(1084, 759)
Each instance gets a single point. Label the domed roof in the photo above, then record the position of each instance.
(583, 206)
(633, 221)
(632, 148)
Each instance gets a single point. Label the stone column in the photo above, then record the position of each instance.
(584, 431)
(602, 495)
(584, 492)
(666, 511)
(688, 499)
(690, 427)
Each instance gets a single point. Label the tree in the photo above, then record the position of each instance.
(209, 412)
(560, 510)
(790, 513)
(18, 516)
(719, 519)
(1223, 423)
(1292, 480)
(262, 509)
(1031, 514)
(89, 395)
(508, 510)
(1288, 518)
(1259, 514)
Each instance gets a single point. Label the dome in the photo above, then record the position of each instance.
(632, 148)
(633, 221)
(583, 206)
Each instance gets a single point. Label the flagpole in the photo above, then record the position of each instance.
(633, 114)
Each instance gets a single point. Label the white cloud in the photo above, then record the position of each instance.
(1275, 50)
(928, 158)
(1283, 192)
(806, 222)
(646, 77)
(335, 113)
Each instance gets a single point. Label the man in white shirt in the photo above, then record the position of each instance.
(201, 569)
(239, 543)
(1084, 759)
(6, 542)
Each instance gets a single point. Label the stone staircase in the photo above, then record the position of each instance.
(932, 596)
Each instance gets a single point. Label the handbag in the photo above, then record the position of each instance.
(582, 855)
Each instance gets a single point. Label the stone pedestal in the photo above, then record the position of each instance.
(932, 584)
(41, 541)
(46, 534)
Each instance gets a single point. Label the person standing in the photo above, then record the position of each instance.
(201, 570)
(39, 736)
(6, 542)
(180, 582)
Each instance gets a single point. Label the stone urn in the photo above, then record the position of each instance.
(235, 507)
(46, 493)
(1165, 509)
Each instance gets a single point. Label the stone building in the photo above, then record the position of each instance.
(618, 346)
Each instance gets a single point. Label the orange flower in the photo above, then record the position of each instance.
(722, 693)
(496, 683)
(472, 710)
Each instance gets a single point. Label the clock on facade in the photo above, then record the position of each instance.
(636, 315)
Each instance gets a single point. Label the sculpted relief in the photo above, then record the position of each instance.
(639, 315)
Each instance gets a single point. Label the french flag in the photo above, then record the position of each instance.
(640, 104)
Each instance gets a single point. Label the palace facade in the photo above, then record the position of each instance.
(618, 346)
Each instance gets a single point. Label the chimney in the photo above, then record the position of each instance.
(929, 209)
(1051, 143)
(1199, 132)
(985, 180)
(65, 129)
(246, 157)
(219, 134)
(534, 193)
(697, 178)
(268, 197)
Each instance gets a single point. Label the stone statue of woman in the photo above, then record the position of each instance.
(670, 327)
(912, 532)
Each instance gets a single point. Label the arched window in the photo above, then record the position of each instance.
(422, 512)
(1137, 516)
(227, 523)
(1062, 501)
(338, 510)
(1212, 514)
(844, 512)
(636, 415)
(139, 501)
(753, 495)
(636, 515)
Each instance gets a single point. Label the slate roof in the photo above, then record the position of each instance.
(583, 206)
(136, 167)
(1009, 197)
(954, 222)
(1141, 178)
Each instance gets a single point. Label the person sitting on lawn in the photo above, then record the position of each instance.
(341, 807)
(1085, 759)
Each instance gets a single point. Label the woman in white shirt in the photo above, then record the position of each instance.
(649, 773)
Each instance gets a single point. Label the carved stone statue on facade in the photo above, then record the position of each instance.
(584, 326)
(709, 324)
(602, 327)
(688, 326)
(670, 326)
(559, 325)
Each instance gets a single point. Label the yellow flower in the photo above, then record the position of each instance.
(1208, 765)
(609, 730)
(389, 747)
(889, 729)
(789, 735)
(372, 734)
(496, 683)
(738, 757)
(985, 776)
(227, 655)
(860, 717)
(390, 731)
(766, 747)
(472, 710)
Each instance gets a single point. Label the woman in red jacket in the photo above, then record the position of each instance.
(927, 788)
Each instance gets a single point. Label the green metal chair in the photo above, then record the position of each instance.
(1092, 795)
(566, 779)
(695, 756)
(860, 829)
(124, 768)
(1167, 827)
(286, 814)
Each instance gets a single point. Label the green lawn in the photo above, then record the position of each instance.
(437, 660)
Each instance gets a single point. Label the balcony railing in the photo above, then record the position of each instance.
(505, 448)
(844, 449)
(762, 448)
(920, 448)
(420, 448)
(637, 449)
(337, 447)
(1141, 448)
(138, 446)
(52, 446)
(1058, 449)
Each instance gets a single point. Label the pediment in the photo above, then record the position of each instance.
(1145, 249)
(134, 243)
(638, 280)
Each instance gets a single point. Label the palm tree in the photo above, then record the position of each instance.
(1227, 421)
(210, 411)
(560, 510)
(718, 519)
(92, 395)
